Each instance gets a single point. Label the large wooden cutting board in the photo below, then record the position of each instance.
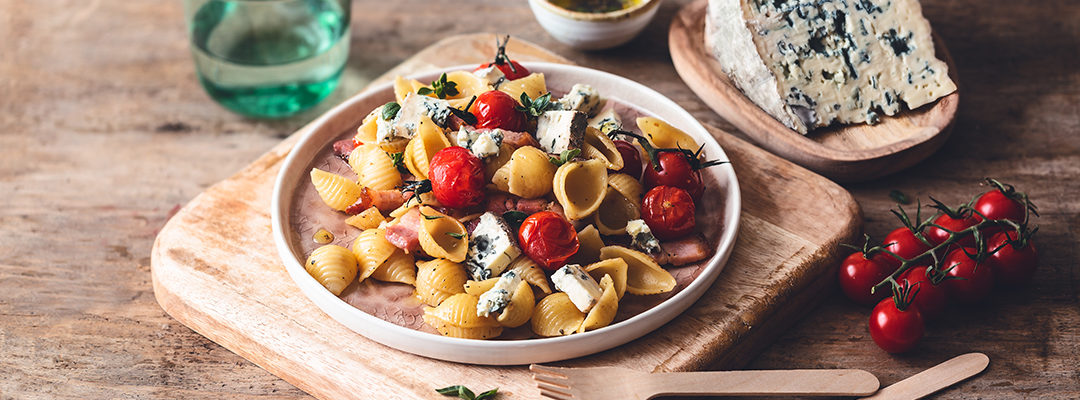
(216, 270)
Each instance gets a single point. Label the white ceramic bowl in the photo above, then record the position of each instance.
(341, 121)
(594, 31)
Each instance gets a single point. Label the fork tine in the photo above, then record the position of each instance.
(555, 371)
(552, 387)
(552, 379)
(555, 395)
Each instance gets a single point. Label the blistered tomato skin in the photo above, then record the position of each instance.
(496, 109)
(457, 177)
(549, 239)
(512, 69)
(669, 212)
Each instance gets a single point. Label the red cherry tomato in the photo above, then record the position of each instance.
(631, 158)
(496, 109)
(549, 239)
(669, 212)
(457, 177)
(895, 330)
(996, 205)
(930, 299)
(904, 244)
(858, 275)
(969, 281)
(1012, 266)
(675, 170)
(512, 70)
(937, 235)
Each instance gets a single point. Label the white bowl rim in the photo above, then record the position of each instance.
(314, 291)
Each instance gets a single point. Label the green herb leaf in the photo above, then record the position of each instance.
(455, 235)
(399, 161)
(417, 188)
(534, 108)
(390, 110)
(440, 87)
(460, 391)
(490, 394)
(430, 217)
(565, 157)
(514, 218)
(899, 197)
(424, 91)
(465, 115)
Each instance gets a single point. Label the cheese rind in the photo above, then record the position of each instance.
(811, 63)
(558, 131)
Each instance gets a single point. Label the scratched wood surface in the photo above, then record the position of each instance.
(104, 131)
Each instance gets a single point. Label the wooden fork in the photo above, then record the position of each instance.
(622, 383)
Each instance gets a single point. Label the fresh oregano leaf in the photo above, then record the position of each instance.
(565, 157)
(460, 391)
(424, 91)
(490, 394)
(390, 110)
(399, 161)
(899, 197)
(440, 87)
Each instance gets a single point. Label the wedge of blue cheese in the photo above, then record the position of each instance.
(812, 63)
(641, 236)
(496, 299)
(606, 120)
(407, 121)
(492, 74)
(491, 248)
(482, 143)
(578, 285)
(558, 131)
(581, 97)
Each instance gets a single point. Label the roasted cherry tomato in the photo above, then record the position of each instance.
(675, 170)
(904, 243)
(631, 158)
(549, 239)
(510, 68)
(669, 212)
(496, 109)
(937, 235)
(997, 205)
(457, 177)
(1012, 265)
(859, 274)
(895, 330)
(969, 281)
(930, 298)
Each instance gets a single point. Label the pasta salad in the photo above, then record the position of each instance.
(505, 206)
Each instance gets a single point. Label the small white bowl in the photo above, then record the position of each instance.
(594, 31)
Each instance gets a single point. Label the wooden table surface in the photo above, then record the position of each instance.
(104, 132)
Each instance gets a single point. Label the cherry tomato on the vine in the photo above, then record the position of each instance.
(938, 236)
(457, 177)
(631, 158)
(496, 109)
(511, 69)
(969, 281)
(895, 330)
(675, 170)
(549, 239)
(669, 212)
(996, 205)
(859, 274)
(930, 298)
(904, 244)
(1012, 266)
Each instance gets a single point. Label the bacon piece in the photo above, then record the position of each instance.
(499, 203)
(519, 139)
(405, 234)
(384, 200)
(343, 147)
(682, 251)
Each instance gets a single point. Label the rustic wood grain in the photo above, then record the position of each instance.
(850, 153)
(104, 130)
(216, 270)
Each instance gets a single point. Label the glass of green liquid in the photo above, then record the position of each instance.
(269, 58)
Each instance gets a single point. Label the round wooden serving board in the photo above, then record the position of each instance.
(848, 153)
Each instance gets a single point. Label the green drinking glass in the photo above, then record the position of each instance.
(268, 58)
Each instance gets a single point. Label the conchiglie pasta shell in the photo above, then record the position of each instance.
(436, 239)
(468, 85)
(603, 148)
(400, 267)
(460, 310)
(367, 219)
(333, 266)
(589, 245)
(402, 88)
(627, 185)
(371, 249)
(438, 279)
(477, 288)
(368, 131)
(335, 190)
(615, 212)
(532, 85)
(662, 135)
(447, 329)
(529, 272)
(616, 268)
(556, 315)
(520, 309)
(429, 140)
(376, 170)
(604, 311)
(643, 275)
(528, 174)
(579, 187)
(492, 164)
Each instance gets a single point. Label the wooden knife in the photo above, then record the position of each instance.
(936, 378)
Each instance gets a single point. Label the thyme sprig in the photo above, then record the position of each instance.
(441, 88)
